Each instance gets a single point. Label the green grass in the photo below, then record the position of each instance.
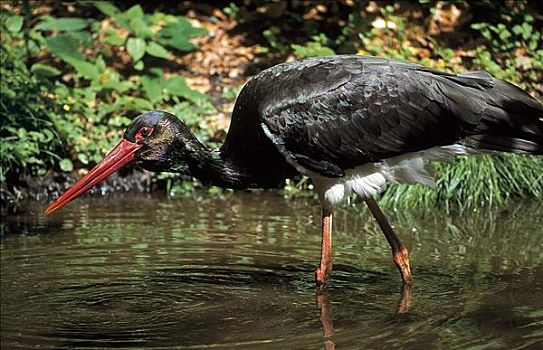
(472, 182)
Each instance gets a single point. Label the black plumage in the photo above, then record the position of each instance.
(334, 113)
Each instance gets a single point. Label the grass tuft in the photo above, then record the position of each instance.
(473, 182)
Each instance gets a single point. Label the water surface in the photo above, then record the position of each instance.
(146, 272)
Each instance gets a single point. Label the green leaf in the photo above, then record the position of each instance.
(106, 8)
(100, 64)
(64, 46)
(83, 158)
(180, 43)
(48, 135)
(517, 29)
(181, 28)
(136, 48)
(141, 28)
(156, 72)
(526, 31)
(152, 87)
(84, 68)
(177, 34)
(34, 160)
(121, 20)
(504, 34)
(119, 122)
(82, 37)
(44, 70)
(136, 103)
(311, 49)
(66, 165)
(178, 86)
(67, 49)
(112, 38)
(14, 23)
(122, 86)
(63, 24)
(157, 50)
(139, 66)
(124, 19)
(134, 12)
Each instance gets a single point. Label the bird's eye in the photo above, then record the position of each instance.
(143, 133)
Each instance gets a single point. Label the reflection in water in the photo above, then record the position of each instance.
(326, 318)
(146, 272)
(321, 297)
(406, 296)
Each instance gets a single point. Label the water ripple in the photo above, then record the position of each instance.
(238, 273)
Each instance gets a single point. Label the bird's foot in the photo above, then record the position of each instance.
(321, 277)
(401, 259)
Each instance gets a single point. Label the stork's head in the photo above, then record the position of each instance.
(156, 141)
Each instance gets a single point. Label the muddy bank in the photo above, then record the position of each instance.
(53, 184)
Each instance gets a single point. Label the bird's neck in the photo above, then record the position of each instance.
(214, 168)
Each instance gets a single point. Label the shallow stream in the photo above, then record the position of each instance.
(147, 272)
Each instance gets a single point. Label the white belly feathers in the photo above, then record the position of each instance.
(369, 179)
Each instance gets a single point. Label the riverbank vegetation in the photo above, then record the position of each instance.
(74, 74)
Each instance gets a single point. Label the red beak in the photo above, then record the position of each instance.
(121, 155)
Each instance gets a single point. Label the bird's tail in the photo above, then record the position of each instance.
(512, 120)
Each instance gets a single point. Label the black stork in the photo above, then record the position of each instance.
(350, 123)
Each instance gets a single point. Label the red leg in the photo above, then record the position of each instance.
(325, 268)
(399, 251)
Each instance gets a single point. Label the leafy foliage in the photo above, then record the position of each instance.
(506, 41)
(87, 101)
(30, 142)
(71, 83)
(138, 31)
(317, 47)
